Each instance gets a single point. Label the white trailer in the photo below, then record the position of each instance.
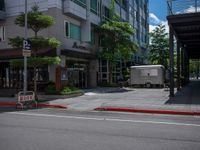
(147, 75)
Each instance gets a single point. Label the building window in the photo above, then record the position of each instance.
(93, 6)
(75, 32)
(66, 28)
(92, 37)
(72, 31)
(2, 5)
(124, 4)
(81, 3)
(2, 33)
(106, 13)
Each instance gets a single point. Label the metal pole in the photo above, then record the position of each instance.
(25, 57)
(178, 65)
(171, 54)
(195, 6)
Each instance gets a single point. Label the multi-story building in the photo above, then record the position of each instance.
(75, 21)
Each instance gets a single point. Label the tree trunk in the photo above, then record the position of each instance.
(35, 83)
(110, 72)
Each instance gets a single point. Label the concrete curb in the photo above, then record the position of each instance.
(152, 111)
(38, 105)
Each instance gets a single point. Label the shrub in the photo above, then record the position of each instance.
(67, 90)
(51, 88)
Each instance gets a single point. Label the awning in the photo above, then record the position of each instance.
(6, 54)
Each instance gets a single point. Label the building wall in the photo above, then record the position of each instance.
(67, 10)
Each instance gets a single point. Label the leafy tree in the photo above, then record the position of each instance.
(159, 46)
(115, 40)
(194, 68)
(37, 21)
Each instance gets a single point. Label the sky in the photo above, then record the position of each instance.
(157, 13)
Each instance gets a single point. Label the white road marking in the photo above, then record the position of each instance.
(105, 119)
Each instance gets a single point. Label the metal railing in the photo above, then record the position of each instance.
(183, 6)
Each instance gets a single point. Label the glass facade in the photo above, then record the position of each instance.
(81, 3)
(75, 32)
(72, 31)
(93, 6)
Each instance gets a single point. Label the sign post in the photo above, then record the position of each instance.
(24, 48)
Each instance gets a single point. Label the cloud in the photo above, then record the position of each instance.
(152, 27)
(191, 9)
(154, 19)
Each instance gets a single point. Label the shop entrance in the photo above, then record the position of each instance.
(77, 74)
(10, 77)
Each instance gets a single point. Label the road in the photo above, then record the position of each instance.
(48, 129)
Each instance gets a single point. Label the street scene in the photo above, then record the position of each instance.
(99, 74)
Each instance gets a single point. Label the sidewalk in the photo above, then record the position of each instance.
(135, 100)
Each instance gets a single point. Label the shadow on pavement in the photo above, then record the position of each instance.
(189, 95)
(108, 90)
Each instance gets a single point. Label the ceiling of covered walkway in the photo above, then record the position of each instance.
(186, 28)
(184, 19)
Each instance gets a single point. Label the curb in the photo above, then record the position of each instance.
(7, 103)
(38, 105)
(52, 106)
(152, 111)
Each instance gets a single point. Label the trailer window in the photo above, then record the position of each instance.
(149, 72)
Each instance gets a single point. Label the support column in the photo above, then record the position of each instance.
(182, 65)
(178, 66)
(58, 78)
(187, 68)
(171, 63)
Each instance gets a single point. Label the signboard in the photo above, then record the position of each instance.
(26, 48)
(26, 53)
(26, 44)
(28, 96)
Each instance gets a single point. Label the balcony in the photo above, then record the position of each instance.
(75, 8)
(2, 15)
(183, 6)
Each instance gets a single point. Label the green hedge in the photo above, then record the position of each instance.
(51, 90)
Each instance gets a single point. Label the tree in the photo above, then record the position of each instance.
(37, 21)
(159, 46)
(194, 68)
(115, 40)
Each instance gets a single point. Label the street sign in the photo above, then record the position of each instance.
(26, 44)
(26, 53)
(26, 48)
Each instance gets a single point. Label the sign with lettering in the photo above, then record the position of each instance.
(26, 44)
(26, 48)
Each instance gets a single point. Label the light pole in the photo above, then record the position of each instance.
(25, 57)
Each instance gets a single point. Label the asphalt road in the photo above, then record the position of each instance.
(48, 129)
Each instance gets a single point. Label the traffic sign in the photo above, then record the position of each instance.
(26, 44)
(26, 53)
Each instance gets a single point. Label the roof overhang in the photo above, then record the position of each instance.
(186, 28)
(6, 54)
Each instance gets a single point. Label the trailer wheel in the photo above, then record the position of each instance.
(148, 85)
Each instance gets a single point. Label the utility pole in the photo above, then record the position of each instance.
(25, 57)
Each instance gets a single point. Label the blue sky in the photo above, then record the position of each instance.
(157, 13)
